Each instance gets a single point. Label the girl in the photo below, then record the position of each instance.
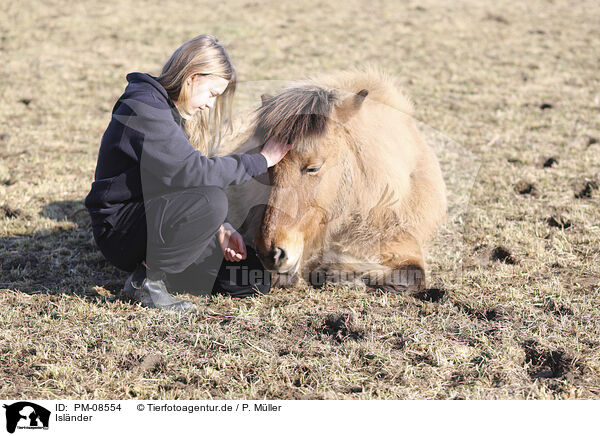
(157, 204)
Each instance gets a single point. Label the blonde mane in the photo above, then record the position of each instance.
(382, 87)
(301, 111)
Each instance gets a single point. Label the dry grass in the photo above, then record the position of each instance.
(512, 85)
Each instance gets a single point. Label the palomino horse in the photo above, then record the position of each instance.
(357, 197)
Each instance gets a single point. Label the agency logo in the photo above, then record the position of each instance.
(26, 415)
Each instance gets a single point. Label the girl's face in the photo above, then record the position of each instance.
(204, 91)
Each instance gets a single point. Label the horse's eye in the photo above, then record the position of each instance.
(312, 170)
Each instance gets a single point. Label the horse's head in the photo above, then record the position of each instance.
(310, 186)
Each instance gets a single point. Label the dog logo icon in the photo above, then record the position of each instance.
(26, 415)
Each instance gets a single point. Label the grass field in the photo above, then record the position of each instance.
(513, 87)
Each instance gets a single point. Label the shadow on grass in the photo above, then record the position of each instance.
(64, 259)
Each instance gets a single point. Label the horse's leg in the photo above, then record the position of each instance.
(337, 266)
(337, 274)
(404, 266)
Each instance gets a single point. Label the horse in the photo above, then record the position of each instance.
(356, 199)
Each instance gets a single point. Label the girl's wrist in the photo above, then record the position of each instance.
(269, 163)
(225, 227)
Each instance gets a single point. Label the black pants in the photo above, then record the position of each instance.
(177, 233)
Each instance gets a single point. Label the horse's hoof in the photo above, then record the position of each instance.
(406, 280)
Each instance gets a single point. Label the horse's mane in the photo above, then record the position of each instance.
(382, 86)
(301, 112)
(296, 113)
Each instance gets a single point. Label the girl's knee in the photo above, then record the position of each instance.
(217, 200)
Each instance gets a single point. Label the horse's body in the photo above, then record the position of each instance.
(358, 196)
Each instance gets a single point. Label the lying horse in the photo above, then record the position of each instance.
(357, 197)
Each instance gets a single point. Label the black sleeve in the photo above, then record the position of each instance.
(168, 158)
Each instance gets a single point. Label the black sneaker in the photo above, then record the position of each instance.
(149, 289)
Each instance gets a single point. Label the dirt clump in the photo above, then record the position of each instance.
(558, 221)
(341, 327)
(526, 188)
(502, 254)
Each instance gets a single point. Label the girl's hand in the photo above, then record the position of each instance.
(274, 151)
(232, 243)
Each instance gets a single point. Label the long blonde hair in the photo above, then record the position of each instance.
(201, 55)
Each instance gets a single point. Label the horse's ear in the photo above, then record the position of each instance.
(265, 97)
(351, 105)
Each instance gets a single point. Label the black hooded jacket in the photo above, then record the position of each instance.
(145, 152)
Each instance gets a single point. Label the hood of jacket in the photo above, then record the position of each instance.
(137, 79)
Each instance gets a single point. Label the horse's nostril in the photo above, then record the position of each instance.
(272, 259)
(278, 255)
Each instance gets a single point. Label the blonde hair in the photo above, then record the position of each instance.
(201, 55)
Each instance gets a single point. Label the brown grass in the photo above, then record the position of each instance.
(512, 85)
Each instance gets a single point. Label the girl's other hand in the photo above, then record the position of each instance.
(232, 243)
